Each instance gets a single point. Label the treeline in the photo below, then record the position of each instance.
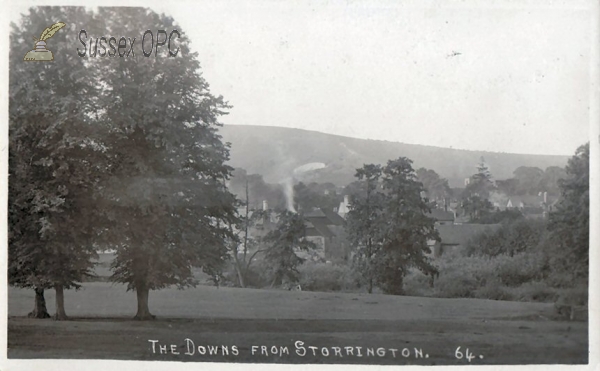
(532, 180)
(473, 200)
(390, 236)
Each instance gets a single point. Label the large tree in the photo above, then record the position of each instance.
(569, 224)
(407, 229)
(551, 179)
(474, 200)
(509, 187)
(480, 183)
(388, 225)
(54, 161)
(364, 220)
(283, 243)
(242, 245)
(437, 188)
(529, 180)
(167, 198)
(476, 207)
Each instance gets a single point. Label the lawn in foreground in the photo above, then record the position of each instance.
(253, 321)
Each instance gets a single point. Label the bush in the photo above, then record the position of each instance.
(534, 291)
(254, 277)
(486, 277)
(519, 269)
(458, 278)
(455, 284)
(327, 277)
(417, 284)
(577, 296)
(504, 216)
(517, 236)
(493, 290)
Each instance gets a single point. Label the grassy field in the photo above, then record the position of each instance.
(261, 325)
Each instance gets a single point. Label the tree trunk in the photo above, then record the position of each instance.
(39, 309)
(60, 315)
(143, 312)
(432, 280)
(238, 269)
(369, 265)
(274, 280)
(247, 222)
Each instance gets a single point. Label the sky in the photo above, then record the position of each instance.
(498, 76)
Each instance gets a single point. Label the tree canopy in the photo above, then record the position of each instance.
(283, 243)
(53, 162)
(480, 183)
(569, 224)
(437, 188)
(117, 151)
(388, 225)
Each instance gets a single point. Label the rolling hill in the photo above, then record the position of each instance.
(275, 152)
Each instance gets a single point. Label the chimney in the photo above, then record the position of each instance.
(265, 205)
(346, 199)
(545, 197)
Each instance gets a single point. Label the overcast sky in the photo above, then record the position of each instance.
(463, 75)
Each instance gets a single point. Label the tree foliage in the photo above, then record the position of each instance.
(258, 190)
(314, 195)
(528, 179)
(569, 223)
(476, 207)
(388, 225)
(244, 245)
(480, 183)
(551, 179)
(283, 243)
(437, 188)
(513, 237)
(499, 216)
(367, 204)
(120, 152)
(53, 162)
(475, 201)
(532, 180)
(167, 200)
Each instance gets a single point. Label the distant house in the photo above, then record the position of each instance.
(519, 202)
(531, 206)
(323, 227)
(454, 237)
(326, 229)
(263, 225)
(344, 207)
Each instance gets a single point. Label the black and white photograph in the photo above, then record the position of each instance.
(361, 183)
